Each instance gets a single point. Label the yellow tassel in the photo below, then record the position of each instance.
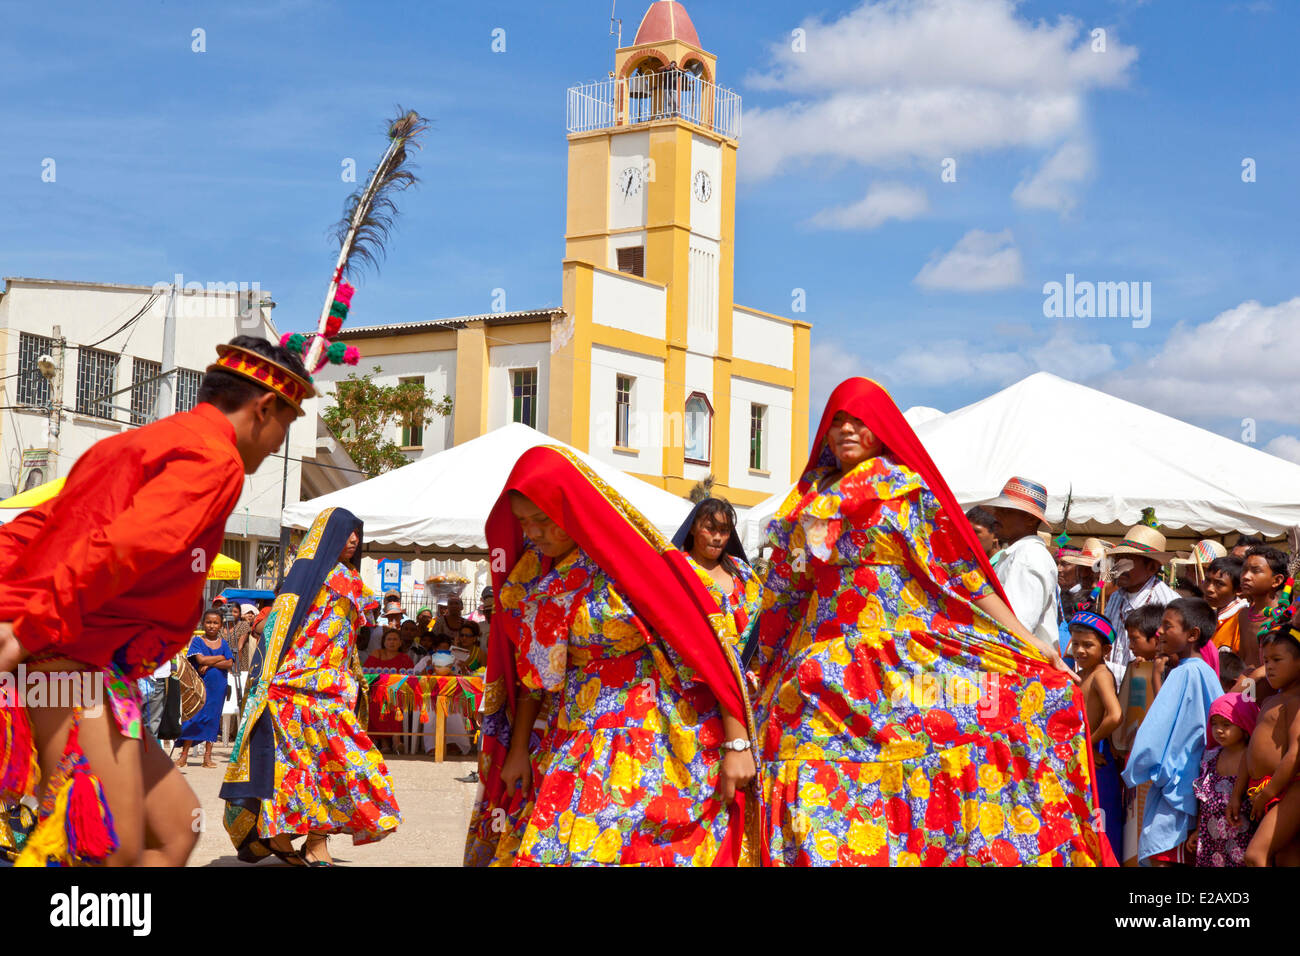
(49, 841)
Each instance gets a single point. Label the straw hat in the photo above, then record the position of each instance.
(1203, 552)
(1022, 494)
(1143, 541)
(1094, 549)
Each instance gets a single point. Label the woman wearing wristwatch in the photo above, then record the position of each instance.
(604, 627)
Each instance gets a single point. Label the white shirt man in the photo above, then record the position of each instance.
(1027, 571)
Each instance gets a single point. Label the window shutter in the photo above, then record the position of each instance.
(631, 260)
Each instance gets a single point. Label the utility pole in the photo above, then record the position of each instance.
(165, 403)
(56, 400)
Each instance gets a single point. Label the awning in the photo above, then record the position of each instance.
(224, 569)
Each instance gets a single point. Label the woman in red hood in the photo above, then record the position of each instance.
(605, 632)
(906, 716)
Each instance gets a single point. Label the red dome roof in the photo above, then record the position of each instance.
(666, 20)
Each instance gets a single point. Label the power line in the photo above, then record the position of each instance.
(127, 324)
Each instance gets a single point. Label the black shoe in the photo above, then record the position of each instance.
(472, 778)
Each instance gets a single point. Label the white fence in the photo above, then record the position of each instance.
(647, 97)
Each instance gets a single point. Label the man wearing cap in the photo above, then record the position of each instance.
(1138, 560)
(1026, 568)
(105, 581)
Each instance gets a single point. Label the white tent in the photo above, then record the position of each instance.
(440, 503)
(753, 523)
(1117, 457)
(1113, 456)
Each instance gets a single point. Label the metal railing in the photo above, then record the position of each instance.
(647, 97)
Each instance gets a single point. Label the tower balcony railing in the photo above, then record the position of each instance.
(649, 97)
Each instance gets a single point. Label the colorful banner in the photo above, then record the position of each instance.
(396, 694)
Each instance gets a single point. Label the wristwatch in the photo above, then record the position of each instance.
(739, 744)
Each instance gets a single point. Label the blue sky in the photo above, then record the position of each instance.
(1114, 165)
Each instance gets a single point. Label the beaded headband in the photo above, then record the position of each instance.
(270, 374)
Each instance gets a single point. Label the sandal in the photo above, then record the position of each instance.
(290, 856)
(320, 842)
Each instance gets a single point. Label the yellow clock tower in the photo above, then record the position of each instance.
(654, 367)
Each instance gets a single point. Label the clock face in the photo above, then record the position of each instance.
(703, 186)
(628, 183)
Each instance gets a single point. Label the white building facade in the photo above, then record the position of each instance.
(112, 365)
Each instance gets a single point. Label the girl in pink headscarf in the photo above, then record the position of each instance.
(1219, 842)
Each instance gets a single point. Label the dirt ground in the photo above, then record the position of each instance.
(435, 812)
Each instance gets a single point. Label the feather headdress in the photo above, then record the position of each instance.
(1063, 538)
(367, 220)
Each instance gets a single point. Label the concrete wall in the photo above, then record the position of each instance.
(760, 339)
(625, 302)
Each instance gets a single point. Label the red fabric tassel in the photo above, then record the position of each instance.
(91, 835)
(332, 325)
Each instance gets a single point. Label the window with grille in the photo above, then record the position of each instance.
(632, 260)
(187, 388)
(268, 557)
(144, 389)
(96, 378)
(623, 410)
(757, 437)
(32, 389)
(523, 391)
(412, 431)
(699, 425)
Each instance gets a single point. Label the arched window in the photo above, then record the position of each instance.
(699, 429)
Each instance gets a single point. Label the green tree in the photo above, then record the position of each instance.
(363, 410)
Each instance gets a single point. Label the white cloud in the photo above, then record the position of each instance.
(1285, 446)
(979, 262)
(1240, 364)
(968, 363)
(909, 80)
(1052, 186)
(883, 201)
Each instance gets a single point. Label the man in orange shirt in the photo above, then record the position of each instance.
(103, 583)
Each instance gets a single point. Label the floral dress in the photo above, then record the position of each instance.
(630, 759)
(1218, 842)
(898, 724)
(741, 606)
(329, 778)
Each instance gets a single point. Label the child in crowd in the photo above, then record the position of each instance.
(1263, 574)
(1136, 692)
(1220, 841)
(1274, 753)
(1222, 582)
(1090, 641)
(1142, 625)
(1230, 670)
(1171, 741)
